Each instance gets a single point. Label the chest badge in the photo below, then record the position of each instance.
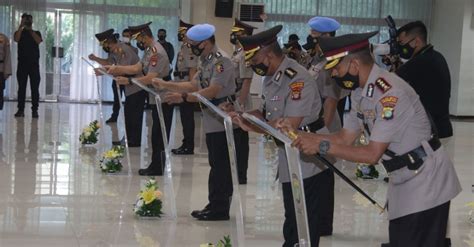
(296, 88)
(388, 106)
(219, 68)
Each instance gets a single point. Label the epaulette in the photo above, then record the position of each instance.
(383, 85)
(291, 73)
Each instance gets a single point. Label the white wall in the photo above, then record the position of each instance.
(452, 33)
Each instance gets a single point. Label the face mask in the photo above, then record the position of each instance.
(406, 51)
(141, 45)
(196, 50)
(106, 49)
(126, 39)
(233, 39)
(260, 69)
(348, 81)
(161, 37)
(180, 37)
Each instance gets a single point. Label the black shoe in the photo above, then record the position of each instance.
(111, 120)
(196, 213)
(325, 233)
(134, 145)
(19, 114)
(447, 242)
(385, 245)
(242, 181)
(150, 172)
(210, 215)
(35, 114)
(183, 151)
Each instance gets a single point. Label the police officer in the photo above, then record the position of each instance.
(295, 52)
(185, 69)
(111, 59)
(122, 54)
(214, 80)
(422, 177)
(289, 92)
(243, 80)
(127, 40)
(28, 64)
(5, 64)
(154, 64)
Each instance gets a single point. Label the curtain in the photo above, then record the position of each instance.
(76, 25)
(354, 15)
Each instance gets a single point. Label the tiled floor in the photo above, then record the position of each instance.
(53, 194)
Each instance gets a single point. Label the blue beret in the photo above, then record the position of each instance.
(323, 24)
(200, 32)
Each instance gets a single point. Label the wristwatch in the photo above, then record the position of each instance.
(184, 96)
(324, 146)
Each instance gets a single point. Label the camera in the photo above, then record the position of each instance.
(28, 22)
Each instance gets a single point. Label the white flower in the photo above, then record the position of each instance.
(140, 203)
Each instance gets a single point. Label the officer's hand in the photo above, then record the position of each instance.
(284, 125)
(308, 143)
(157, 83)
(241, 122)
(98, 72)
(92, 57)
(226, 107)
(121, 80)
(173, 98)
(113, 70)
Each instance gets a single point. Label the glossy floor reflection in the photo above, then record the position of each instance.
(53, 194)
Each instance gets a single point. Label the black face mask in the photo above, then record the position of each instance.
(161, 37)
(406, 51)
(260, 69)
(106, 49)
(196, 50)
(233, 39)
(180, 37)
(348, 81)
(141, 45)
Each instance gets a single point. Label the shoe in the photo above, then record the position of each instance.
(196, 213)
(183, 151)
(35, 114)
(447, 242)
(133, 145)
(325, 233)
(385, 245)
(19, 113)
(242, 181)
(210, 215)
(111, 120)
(150, 172)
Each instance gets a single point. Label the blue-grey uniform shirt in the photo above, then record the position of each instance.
(125, 55)
(292, 92)
(394, 114)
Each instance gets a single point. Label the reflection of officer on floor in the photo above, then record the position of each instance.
(122, 54)
(214, 80)
(422, 177)
(28, 64)
(153, 64)
(185, 69)
(243, 79)
(289, 92)
(5, 64)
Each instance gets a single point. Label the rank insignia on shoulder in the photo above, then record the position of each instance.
(218, 55)
(383, 85)
(278, 76)
(219, 67)
(296, 88)
(290, 73)
(370, 90)
(388, 106)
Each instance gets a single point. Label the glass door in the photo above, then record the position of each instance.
(59, 42)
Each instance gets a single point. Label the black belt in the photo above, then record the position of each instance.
(312, 127)
(413, 159)
(218, 101)
(181, 74)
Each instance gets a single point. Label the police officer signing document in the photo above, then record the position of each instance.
(422, 177)
(154, 64)
(214, 80)
(290, 92)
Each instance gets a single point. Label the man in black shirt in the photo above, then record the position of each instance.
(28, 63)
(428, 73)
(168, 48)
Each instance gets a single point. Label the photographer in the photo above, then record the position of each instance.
(427, 72)
(28, 63)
